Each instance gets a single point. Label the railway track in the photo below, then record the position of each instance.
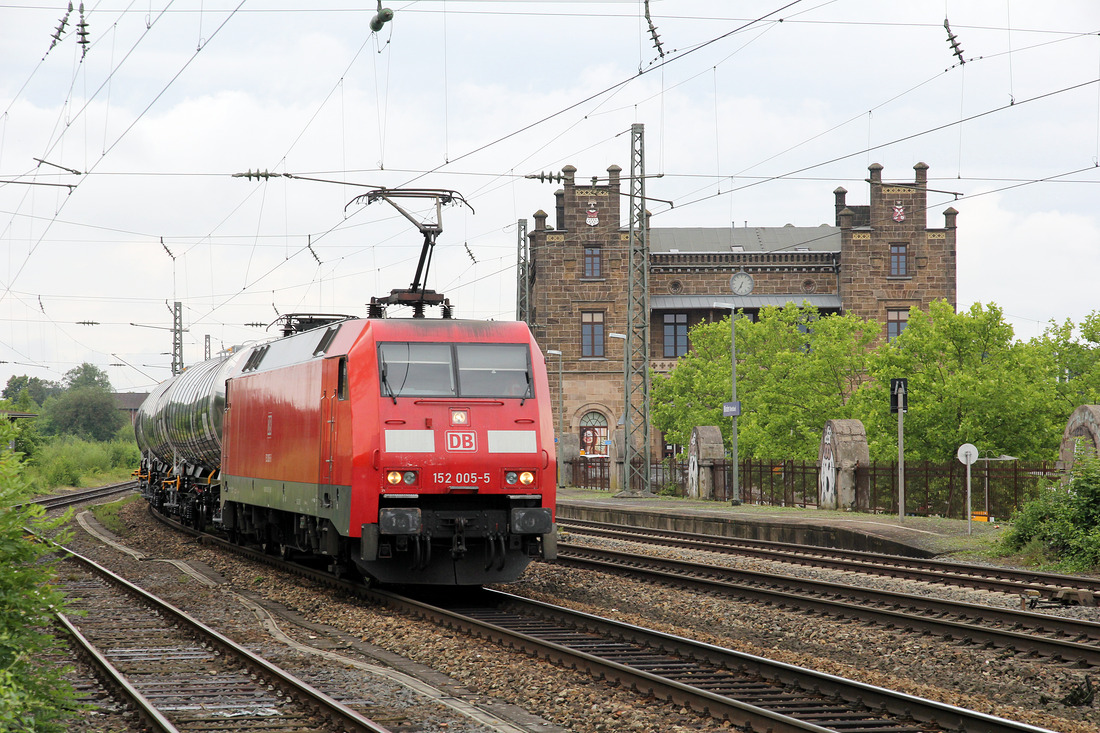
(79, 496)
(760, 694)
(181, 675)
(1007, 580)
(1053, 637)
(750, 691)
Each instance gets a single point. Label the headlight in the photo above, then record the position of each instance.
(519, 477)
(393, 477)
(409, 477)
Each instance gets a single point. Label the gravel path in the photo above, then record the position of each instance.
(480, 673)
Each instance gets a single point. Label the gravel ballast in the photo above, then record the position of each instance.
(504, 682)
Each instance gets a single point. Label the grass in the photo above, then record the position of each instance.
(67, 461)
(108, 515)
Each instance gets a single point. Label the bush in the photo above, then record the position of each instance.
(34, 695)
(1063, 524)
(69, 461)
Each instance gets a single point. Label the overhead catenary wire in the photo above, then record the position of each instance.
(215, 233)
(895, 141)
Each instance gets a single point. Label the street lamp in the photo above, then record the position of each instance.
(628, 449)
(733, 398)
(561, 410)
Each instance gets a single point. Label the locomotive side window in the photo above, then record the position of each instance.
(416, 369)
(342, 379)
(493, 370)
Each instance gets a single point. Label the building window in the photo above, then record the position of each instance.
(676, 335)
(592, 262)
(899, 260)
(592, 340)
(895, 323)
(593, 434)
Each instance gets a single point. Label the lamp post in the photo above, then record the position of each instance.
(561, 409)
(628, 449)
(733, 398)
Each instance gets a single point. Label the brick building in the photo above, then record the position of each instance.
(876, 261)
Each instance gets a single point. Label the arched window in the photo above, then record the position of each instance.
(593, 434)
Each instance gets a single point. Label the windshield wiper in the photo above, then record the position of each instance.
(386, 384)
(527, 390)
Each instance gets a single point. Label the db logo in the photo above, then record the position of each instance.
(461, 441)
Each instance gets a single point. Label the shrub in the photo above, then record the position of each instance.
(69, 461)
(1063, 524)
(34, 695)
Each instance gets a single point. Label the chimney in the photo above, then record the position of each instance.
(839, 206)
(949, 215)
(844, 218)
(922, 174)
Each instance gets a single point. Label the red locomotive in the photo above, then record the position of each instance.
(413, 450)
(418, 451)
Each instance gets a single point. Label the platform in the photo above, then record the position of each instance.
(922, 537)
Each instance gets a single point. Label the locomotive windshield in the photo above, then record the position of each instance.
(455, 370)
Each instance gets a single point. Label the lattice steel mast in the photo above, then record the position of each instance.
(523, 269)
(636, 382)
(177, 338)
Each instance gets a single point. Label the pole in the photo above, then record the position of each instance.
(736, 483)
(627, 447)
(628, 433)
(561, 404)
(969, 506)
(733, 398)
(901, 453)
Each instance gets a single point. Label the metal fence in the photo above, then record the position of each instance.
(931, 489)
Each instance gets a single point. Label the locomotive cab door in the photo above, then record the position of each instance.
(334, 390)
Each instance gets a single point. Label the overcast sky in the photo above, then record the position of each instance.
(753, 111)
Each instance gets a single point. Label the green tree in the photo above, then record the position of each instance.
(693, 392)
(24, 402)
(39, 389)
(87, 376)
(1075, 352)
(85, 409)
(795, 370)
(88, 413)
(969, 381)
(34, 695)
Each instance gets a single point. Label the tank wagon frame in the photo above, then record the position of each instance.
(412, 450)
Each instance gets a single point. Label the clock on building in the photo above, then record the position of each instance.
(741, 283)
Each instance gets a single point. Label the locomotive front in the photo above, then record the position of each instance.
(457, 453)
